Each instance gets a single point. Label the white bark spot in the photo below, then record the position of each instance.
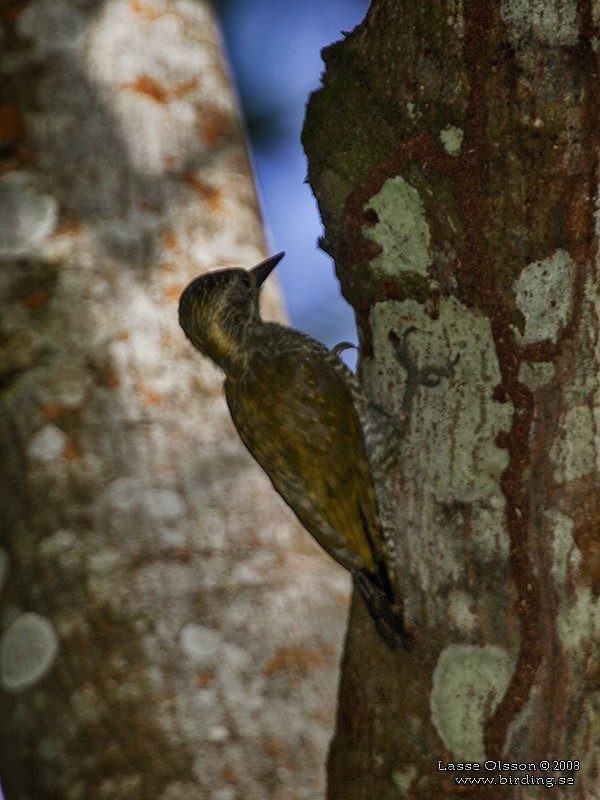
(47, 445)
(58, 543)
(402, 231)
(468, 684)
(544, 295)
(27, 215)
(28, 649)
(218, 733)
(459, 609)
(122, 494)
(200, 644)
(164, 505)
(226, 793)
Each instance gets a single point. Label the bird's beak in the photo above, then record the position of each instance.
(262, 271)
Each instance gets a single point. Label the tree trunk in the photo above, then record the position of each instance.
(453, 150)
(167, 630)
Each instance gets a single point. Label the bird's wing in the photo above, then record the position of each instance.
(295, 414)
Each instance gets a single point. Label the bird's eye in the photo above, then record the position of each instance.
(246, 280)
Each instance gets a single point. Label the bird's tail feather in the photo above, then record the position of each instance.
(387, 618)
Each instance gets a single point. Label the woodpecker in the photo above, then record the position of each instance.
(305, 418)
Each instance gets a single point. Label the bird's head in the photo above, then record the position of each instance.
(218, 310)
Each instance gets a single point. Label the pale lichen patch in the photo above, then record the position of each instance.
(536, 375)
(460, 414)
(460, 611)
(544, 294)
(28, 649)
(402, 231)
(451, 138)
(573, 453)
(566, 554)
(488, 528)
(52, 24)
(48, 444)
(164, 505)
(402, 778)
(200, 644)
(27, 214)
(468, 684)
(551, 21)
(580, 622)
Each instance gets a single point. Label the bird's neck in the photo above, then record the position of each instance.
(232, 347)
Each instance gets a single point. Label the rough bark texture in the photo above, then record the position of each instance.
(167, 630)
(454, 153)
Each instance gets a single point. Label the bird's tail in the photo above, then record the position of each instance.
(387, 616)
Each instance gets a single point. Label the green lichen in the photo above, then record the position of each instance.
(402, 778)
(459, 415)
(580, 622)
(534, 376)
(468, 684)
(544, 293)
(565, 553)
(402, 231)
(28, 649)
(573, 452)
(452, 138)
(28, 215)
(551, 21)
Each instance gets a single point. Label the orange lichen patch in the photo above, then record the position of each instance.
(278, 750)
(145, 10)
(112, 380)
(215, 124)
(70, 453)
(210, 194)
(172, 293)
(296, 659)
(183, 87)
(52, 410)
(145, 205)
(12, 127)
(169, 239)
(184, 553)
(167, 266)
(205, 678)
(146, 85)
(68, 226)
(151, 398)
(36, 299)
(230, 775)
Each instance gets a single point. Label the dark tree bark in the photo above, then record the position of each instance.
(453, 150)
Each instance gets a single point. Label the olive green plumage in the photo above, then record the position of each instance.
(304, 417)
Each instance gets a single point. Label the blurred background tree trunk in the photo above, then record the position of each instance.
(453, 150)
(168, 631)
